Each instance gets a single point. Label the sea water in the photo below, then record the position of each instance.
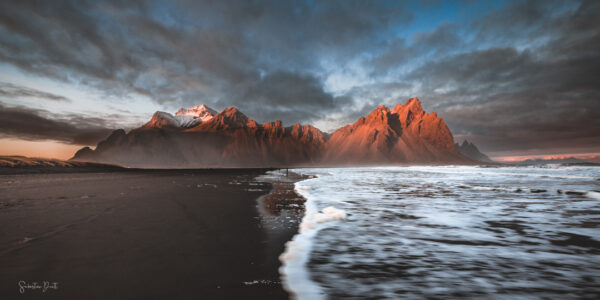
(447, 232)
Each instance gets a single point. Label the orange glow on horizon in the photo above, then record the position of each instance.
(41, 149)
(518, 158)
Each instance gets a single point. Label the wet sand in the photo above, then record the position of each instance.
(170, 234)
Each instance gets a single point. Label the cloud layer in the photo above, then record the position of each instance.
(8, 90)
(513, 78)
(33, 124)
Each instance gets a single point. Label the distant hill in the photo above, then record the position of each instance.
(566, 160)
(22, 164)
(594, 159)
(570, 160)
(471, 151)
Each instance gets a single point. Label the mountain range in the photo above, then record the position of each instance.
(201, 137)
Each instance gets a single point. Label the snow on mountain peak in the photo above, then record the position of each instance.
(193, 116)
(186, 118)
(200, 111)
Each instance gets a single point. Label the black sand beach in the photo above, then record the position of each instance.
(155, 234)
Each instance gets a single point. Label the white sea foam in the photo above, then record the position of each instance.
(328, 214)
(593, 195)
(588, 194)
(295, 276)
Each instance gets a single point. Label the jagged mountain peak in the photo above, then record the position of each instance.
(379, 114)
(235, 115)
(201, 111)
(409, 111)
(466, 143)
(412, 105)
(232, 110)
(161, 119)
(183, 118)
(229, 118)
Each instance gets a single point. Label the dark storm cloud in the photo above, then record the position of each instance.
(513, 78)
(534, 85)
(432, 43)
(9, 90)
(221, 53)
(535, 126)
(32, 124)
(289, 96)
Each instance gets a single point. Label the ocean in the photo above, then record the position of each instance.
(446, 232)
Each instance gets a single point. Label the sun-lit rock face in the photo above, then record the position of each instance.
(229, 138)
(405, 134)
(229, 119)
(162, 119)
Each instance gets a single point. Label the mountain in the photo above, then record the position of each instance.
(405, 134)
(200, 137)
(471, 151)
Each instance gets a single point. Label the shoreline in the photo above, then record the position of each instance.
(282, 211)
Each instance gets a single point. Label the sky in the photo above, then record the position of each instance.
(517, 78)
